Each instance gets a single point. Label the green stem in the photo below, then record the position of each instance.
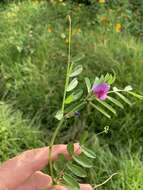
(68, 67)
(51, 145)
(63, 102)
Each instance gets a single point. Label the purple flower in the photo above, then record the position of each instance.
(101, 90)
(77, 113)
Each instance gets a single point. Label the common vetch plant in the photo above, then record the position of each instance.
(101, 95)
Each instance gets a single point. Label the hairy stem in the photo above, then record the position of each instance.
(63, 102)
(51, 145)
(68, 66)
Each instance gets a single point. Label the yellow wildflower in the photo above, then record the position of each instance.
(50, 29)
(118, 27)
(102, 1)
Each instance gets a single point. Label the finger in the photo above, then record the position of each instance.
(15, 171)
(58, 187)
(85, 187)
(37, 181)
(82, 187)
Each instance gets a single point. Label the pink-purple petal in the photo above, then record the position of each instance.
(103, 97)
(101, 90)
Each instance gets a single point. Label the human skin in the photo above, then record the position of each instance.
(23, 171)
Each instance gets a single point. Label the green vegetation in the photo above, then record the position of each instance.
(33, 57)
(16, 134)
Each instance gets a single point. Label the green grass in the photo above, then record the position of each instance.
(16, 133)
(128, 166)
(33, 57)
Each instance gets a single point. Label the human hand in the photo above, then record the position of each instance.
(23, 171)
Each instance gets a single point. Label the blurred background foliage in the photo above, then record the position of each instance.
(33, 57)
